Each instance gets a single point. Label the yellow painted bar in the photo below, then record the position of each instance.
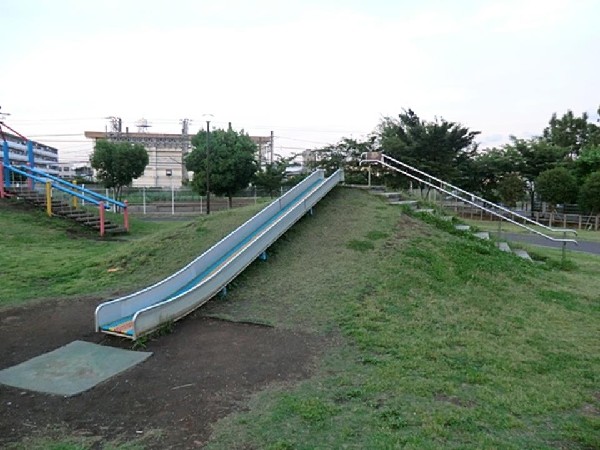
(49, 198)
(75, 199)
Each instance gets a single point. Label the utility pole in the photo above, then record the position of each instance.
(185, 141)
(208, 167)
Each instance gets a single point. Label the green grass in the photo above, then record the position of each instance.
(438, 339)
(486, 225)
(446, 341)
(46, 257)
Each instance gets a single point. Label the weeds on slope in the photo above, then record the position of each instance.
(447, 342)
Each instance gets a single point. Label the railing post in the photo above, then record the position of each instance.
(31, 160)
(1, 179)
(6, 163)
(101, 206)
(126, 216)
(30, 184)
(74, 197)
(49, 198)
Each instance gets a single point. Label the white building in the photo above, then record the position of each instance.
(45, 157)
(166, 154)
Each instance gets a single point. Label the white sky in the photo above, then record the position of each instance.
(312, 71)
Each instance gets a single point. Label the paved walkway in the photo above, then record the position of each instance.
(584, 246)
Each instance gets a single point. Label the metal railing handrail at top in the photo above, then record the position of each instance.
(471, 195)
(381, 161)
(72, 189)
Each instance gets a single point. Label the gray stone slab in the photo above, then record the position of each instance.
(405, 202)
(462, 227)
(504, 247)
(482, 235)
(522, 254)
(71, 369)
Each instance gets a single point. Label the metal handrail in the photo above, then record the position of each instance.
(45, 178)
(475, 197)
(94, 197)
(483, 208)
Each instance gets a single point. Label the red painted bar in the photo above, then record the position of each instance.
(101, 206)
(126, 216)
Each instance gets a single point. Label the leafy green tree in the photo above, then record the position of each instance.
(556, 186)
(438, 147)
(232, 161)
(488, 169)
(118, 163)
(345, 155)
(589, 194)
(588, 161)
(571, 132)
(537, 156)
(270, 178)
(511, 189)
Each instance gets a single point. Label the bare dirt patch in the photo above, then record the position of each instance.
(198, 374)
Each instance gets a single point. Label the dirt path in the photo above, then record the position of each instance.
(197, 375)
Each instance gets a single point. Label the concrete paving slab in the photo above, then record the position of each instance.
(462, 227)
(504, 247)
(404, 202)
(482, 235)
(71, 369)
(522, 254)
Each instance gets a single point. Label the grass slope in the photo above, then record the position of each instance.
(447, 342)
(44, 257)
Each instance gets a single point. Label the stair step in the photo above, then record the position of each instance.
(482, 235)
(522, 254)
(447, 218)
(462, 227)
(424, 210)
(504, 247)
(411, 203)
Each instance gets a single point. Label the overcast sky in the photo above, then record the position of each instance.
(312, 71)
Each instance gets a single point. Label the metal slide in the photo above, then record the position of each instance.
(137, 314)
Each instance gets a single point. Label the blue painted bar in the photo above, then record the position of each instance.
(92, 196)
(31, 159)
(6, 161)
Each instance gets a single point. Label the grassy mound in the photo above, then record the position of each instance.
(441, 340)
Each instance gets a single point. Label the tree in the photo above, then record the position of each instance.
(572, 133)
(343, 155)
(588, 161)
(440, 148)
(511, 189)
(232, 161)
(118, 163)
(557, 186)
(537, 156)
(589, 195)
(489, 168)
(271, 177)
